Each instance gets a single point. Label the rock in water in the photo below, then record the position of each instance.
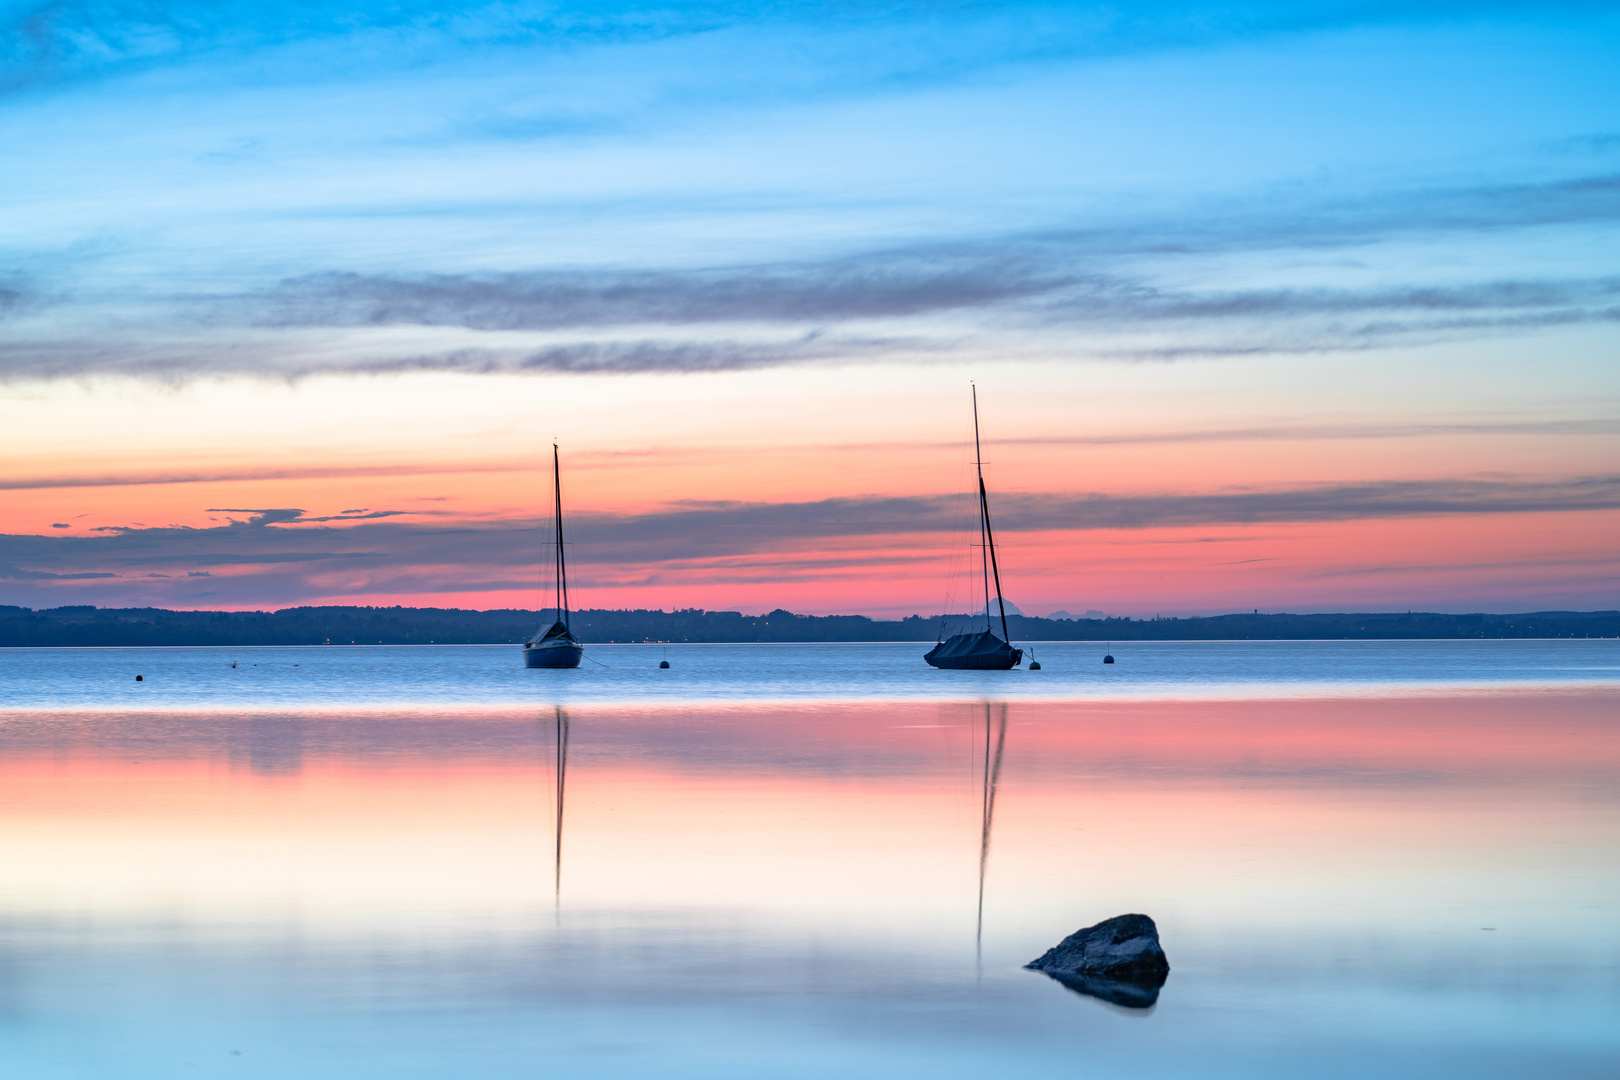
(1124, 947)
(1118, 960)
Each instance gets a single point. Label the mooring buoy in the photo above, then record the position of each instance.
(140, 678)
(663, 663)
(1108, 658)
(1034, 665)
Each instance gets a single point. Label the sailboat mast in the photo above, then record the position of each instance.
(984, 564)
(561, 561)
(984, 529)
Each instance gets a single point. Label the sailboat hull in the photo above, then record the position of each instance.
(552, 654)
(974, 652)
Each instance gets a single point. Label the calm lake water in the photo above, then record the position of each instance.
(1365, 858)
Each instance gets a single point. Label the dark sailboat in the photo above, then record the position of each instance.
(981, 651)
(556, 646)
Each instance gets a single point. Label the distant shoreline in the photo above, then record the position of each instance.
(90, 626)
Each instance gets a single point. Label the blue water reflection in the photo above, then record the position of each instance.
(334, 676)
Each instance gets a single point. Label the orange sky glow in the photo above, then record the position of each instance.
(1113, 490)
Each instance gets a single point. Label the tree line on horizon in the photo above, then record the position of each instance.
(22, 627)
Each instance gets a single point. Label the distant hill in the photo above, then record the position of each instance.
(82, 626)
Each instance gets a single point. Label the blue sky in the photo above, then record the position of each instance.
(160, 157)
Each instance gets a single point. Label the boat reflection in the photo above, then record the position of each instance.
(1128, 993)
(991, 776)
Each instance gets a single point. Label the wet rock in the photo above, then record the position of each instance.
(1118, 960)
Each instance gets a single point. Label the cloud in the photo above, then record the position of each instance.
(259, 518)
(1309, 432)
(1042, 287)
(292, 360)
(1059, 274)
(361, 515)
(637, 357)
(1029, 292)
(195, 476)
(1335, 502)
(288, 559)
(698, 453)
(881, 285)
(1487, 296)
(265, 518)
(715, 526)
(1431, 210)
(14, 573)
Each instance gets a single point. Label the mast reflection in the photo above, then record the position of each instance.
(561, 770)
(991, 776)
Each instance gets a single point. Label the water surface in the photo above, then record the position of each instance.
(353, 867)
(346, 677)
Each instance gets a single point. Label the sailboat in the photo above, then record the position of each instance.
(556, 646)
(982, 651)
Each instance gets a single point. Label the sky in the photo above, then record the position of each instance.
(1303, 306)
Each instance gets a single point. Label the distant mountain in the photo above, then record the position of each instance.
(80, 626)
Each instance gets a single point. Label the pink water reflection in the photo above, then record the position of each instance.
(378, 895)
(858, 814)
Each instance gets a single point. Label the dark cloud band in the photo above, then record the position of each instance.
(1032, 290)
(726, 529)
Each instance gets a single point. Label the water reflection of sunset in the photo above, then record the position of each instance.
(831, 814)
